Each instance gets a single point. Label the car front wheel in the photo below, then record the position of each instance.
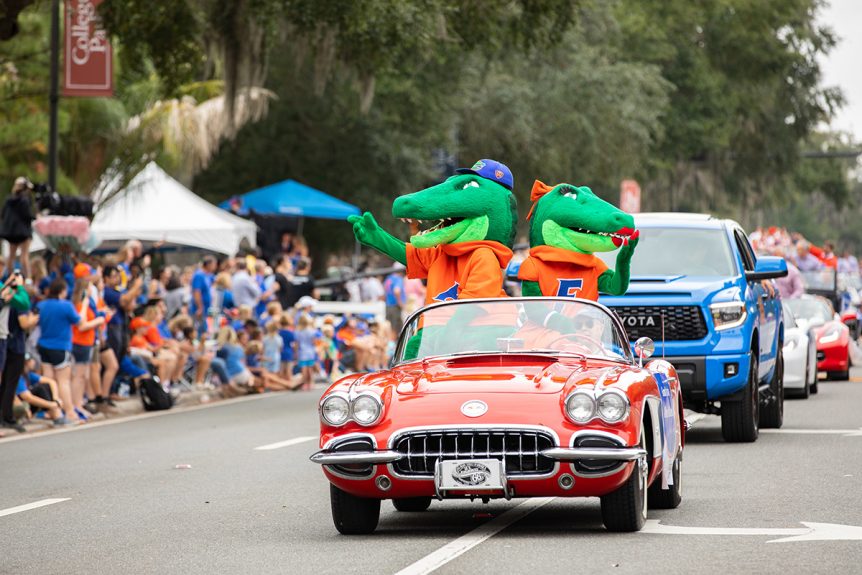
(353, 515)
(626, 508)
(740, 420)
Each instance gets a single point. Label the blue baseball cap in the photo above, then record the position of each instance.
(491, 170)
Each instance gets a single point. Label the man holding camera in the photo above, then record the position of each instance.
(16, 224)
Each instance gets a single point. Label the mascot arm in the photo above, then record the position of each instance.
(616, 281)
(530, 289)
(369, 233)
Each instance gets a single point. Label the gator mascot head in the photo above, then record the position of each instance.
(574, 218)
(568, 224)
(473, 205)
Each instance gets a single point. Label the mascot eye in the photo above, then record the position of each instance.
(571, 193)
(470, 185)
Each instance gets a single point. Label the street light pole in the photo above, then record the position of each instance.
(54, 96)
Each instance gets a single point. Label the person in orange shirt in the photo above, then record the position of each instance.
(83, 340)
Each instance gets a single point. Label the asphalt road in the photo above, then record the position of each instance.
(238, 509)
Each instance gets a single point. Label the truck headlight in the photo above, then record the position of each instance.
(335, 410)
(580, 407)
(727, 315)
(366, 409)
(612, 406)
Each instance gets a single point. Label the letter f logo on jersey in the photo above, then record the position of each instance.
(569, 288)
(449, 294)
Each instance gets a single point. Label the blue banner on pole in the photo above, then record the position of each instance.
(668, 429)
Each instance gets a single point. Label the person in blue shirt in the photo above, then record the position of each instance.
(202, 283)
(396, 297)
(39, 393)
(57, 315)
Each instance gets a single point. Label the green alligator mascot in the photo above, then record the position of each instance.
(469, 244)
(462, 255)
(568, 224)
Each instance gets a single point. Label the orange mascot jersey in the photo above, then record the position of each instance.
(465, 270)
(562, 272)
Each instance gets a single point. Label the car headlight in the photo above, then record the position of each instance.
(366, 409)
(727, 315)
(830, 336)
(335, 410)
(580, 407)
(612, 407)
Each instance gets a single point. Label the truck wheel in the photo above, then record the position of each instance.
(671, 497)
(772, 415)
(740, 419)
(353, 515)
(626, 508)
(412, 503)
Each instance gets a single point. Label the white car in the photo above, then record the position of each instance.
(800, 357)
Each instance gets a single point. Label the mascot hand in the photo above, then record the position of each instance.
(365, 228)
(628, 250)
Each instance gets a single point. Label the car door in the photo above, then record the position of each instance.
(767, 302)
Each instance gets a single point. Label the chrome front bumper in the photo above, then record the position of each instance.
(595, 453)
(326, 457)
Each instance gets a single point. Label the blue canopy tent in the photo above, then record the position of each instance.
(288, 199)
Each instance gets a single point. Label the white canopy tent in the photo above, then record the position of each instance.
(155, 207)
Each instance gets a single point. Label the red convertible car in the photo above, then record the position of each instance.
(832, 336)
(503, 398)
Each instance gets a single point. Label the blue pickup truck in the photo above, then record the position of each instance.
(698, 290)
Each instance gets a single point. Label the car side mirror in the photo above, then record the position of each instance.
(767, 268)
(644, 348)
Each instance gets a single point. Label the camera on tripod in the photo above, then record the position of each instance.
(47, 200)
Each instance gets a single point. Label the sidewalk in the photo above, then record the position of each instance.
(125, 408)
(133, 406)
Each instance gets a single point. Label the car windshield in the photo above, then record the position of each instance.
(679, 251)
(810, 309)
(554, 326)
(821, 280)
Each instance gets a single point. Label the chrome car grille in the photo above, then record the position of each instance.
(519, 448)
(354, 444)
(586, 467)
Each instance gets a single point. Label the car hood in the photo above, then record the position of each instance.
(698, 287)
(492, 374)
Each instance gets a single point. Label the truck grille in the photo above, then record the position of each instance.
(681, 322)
(520, 449)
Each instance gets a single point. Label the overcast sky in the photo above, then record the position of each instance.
(843, 67)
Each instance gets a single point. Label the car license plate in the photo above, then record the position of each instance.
(470, 475)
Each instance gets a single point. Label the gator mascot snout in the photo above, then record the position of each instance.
(568, 224)
(470, 224)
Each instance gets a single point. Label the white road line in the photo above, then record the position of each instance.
(29, 506)
(466, 542)
(287, 443)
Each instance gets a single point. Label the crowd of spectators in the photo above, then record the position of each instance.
(802, 257)
(81, 333)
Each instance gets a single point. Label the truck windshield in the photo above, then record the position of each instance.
(679, 251)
